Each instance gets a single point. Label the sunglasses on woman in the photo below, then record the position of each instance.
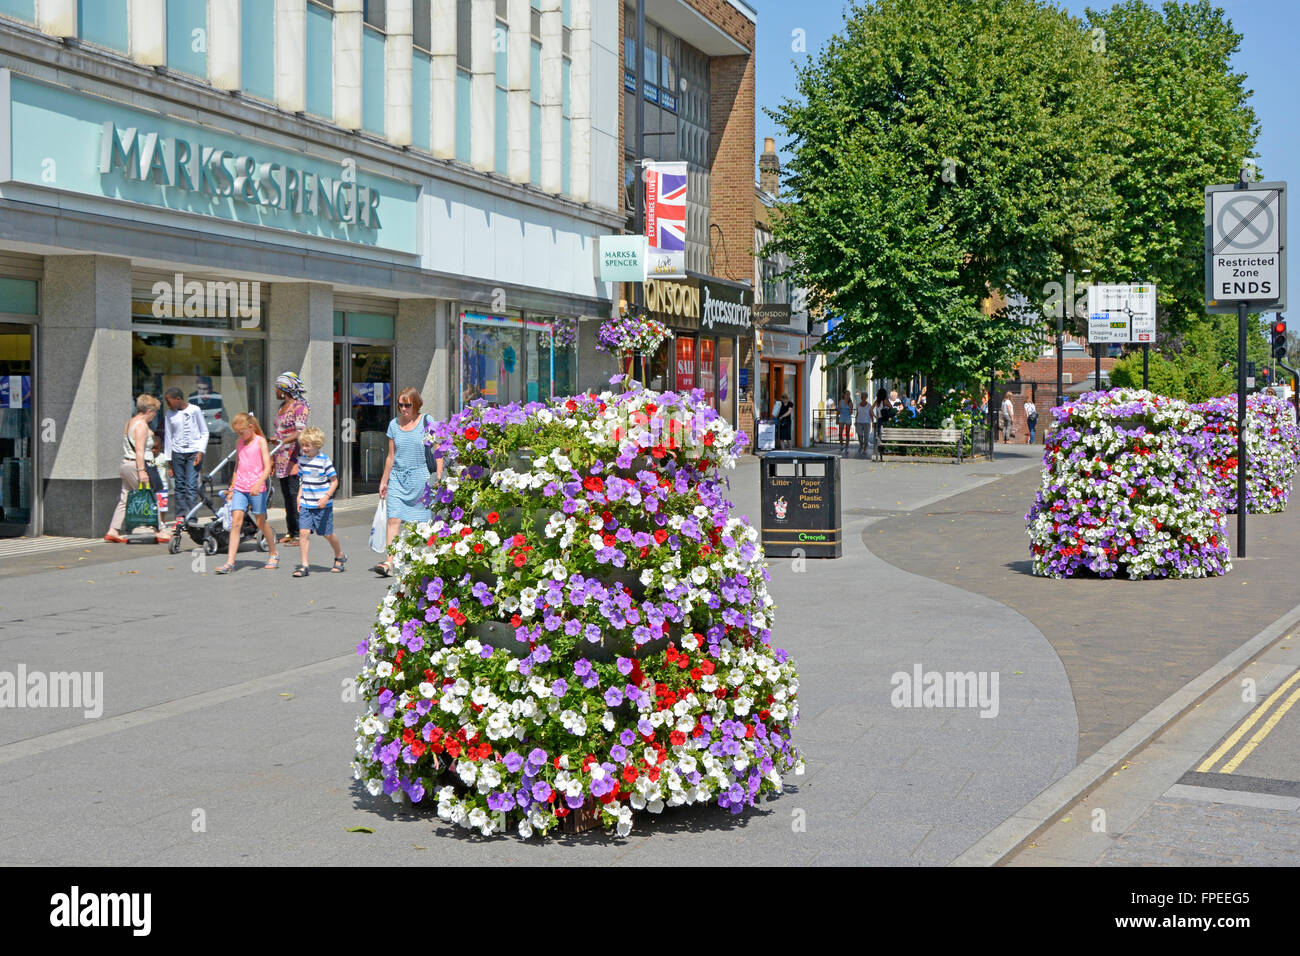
(403, 404)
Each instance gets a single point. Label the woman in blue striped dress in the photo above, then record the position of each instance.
(406, 473)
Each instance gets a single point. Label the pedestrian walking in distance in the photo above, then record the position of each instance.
(317, 482)
(1007, 418)
(1031, 418)
(844, 418)
(864, 423)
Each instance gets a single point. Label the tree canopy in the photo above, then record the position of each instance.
(1185, 118)
(942, 150)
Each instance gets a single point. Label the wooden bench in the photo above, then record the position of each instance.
(920, 438)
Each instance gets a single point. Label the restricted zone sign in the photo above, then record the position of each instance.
(1245, 247)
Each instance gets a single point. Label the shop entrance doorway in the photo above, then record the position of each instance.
(778, 379)
(363, 407)
(17, 441)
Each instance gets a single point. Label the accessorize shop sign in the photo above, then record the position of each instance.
(60, 139)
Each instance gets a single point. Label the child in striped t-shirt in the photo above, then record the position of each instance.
(317, 482)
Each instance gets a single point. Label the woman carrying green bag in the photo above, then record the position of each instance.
(137, 453)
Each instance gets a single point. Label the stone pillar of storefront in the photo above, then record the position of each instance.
(301, 340)
(86, 400)
(421, 352)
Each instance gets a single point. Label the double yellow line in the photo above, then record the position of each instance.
(1207, 765)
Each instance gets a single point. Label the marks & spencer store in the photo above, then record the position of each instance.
(156, 233)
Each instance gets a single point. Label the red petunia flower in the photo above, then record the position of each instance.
(594, 483)
(471, 433)
(493, 517)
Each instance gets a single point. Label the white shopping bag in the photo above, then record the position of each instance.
(223, 515)
(379, 528)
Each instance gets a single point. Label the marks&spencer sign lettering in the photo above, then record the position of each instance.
(215, 171)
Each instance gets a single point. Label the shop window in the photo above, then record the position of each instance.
(369, 325)
(535, 113)
(566, 180)
(320, 61)
(463, 87)
(502, 151)
(463, 46)
(102, 22)
(709, 371)
(18, 296)
(19, 9)
(372, 81)
(421, 98)
(222, 375)
(422, 25)
(187, 36)
(684, 377)
(257, 48)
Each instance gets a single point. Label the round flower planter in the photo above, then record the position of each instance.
(1127, 489)
(610, 655)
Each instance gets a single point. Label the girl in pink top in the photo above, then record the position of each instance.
(248, 489)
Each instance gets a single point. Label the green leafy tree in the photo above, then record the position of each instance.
(941, 149)
(1184, 117)
(1201, 364)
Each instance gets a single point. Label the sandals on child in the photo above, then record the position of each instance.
(341, 560)
(301, 571)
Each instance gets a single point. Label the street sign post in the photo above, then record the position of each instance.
(1122, 313)
(1245, 247)
(1245, 271)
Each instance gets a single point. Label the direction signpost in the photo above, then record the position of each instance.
(1245, 269)
(1122, 313)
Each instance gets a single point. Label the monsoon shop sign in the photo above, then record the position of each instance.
(77, 145)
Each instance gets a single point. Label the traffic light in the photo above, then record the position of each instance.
(1279, 339)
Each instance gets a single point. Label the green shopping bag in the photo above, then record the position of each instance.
(141, 509)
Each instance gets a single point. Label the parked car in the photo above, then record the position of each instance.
(214, 413)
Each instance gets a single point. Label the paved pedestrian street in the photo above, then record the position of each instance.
(223, 730)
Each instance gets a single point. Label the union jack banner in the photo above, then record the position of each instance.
(665, 220)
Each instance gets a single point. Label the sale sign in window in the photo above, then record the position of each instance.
(685, 364)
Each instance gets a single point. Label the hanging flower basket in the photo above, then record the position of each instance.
(557, 687)
(1127, 489)
(631, 334)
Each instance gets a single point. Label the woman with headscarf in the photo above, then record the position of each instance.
(290, 420)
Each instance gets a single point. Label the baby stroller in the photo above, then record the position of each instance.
(212, 535)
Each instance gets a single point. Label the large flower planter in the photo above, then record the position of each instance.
(607, 656)
(1127, 488)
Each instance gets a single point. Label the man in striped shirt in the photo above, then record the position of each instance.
(317, 482)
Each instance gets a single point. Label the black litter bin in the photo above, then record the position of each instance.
(800, 494)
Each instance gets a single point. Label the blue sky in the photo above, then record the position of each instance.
(1267, 56)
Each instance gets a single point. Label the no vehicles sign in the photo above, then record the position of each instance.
(1245, 247)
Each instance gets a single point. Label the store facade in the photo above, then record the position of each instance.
(158, 232)
(712, 327)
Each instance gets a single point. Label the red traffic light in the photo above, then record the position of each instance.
(1279, 328)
